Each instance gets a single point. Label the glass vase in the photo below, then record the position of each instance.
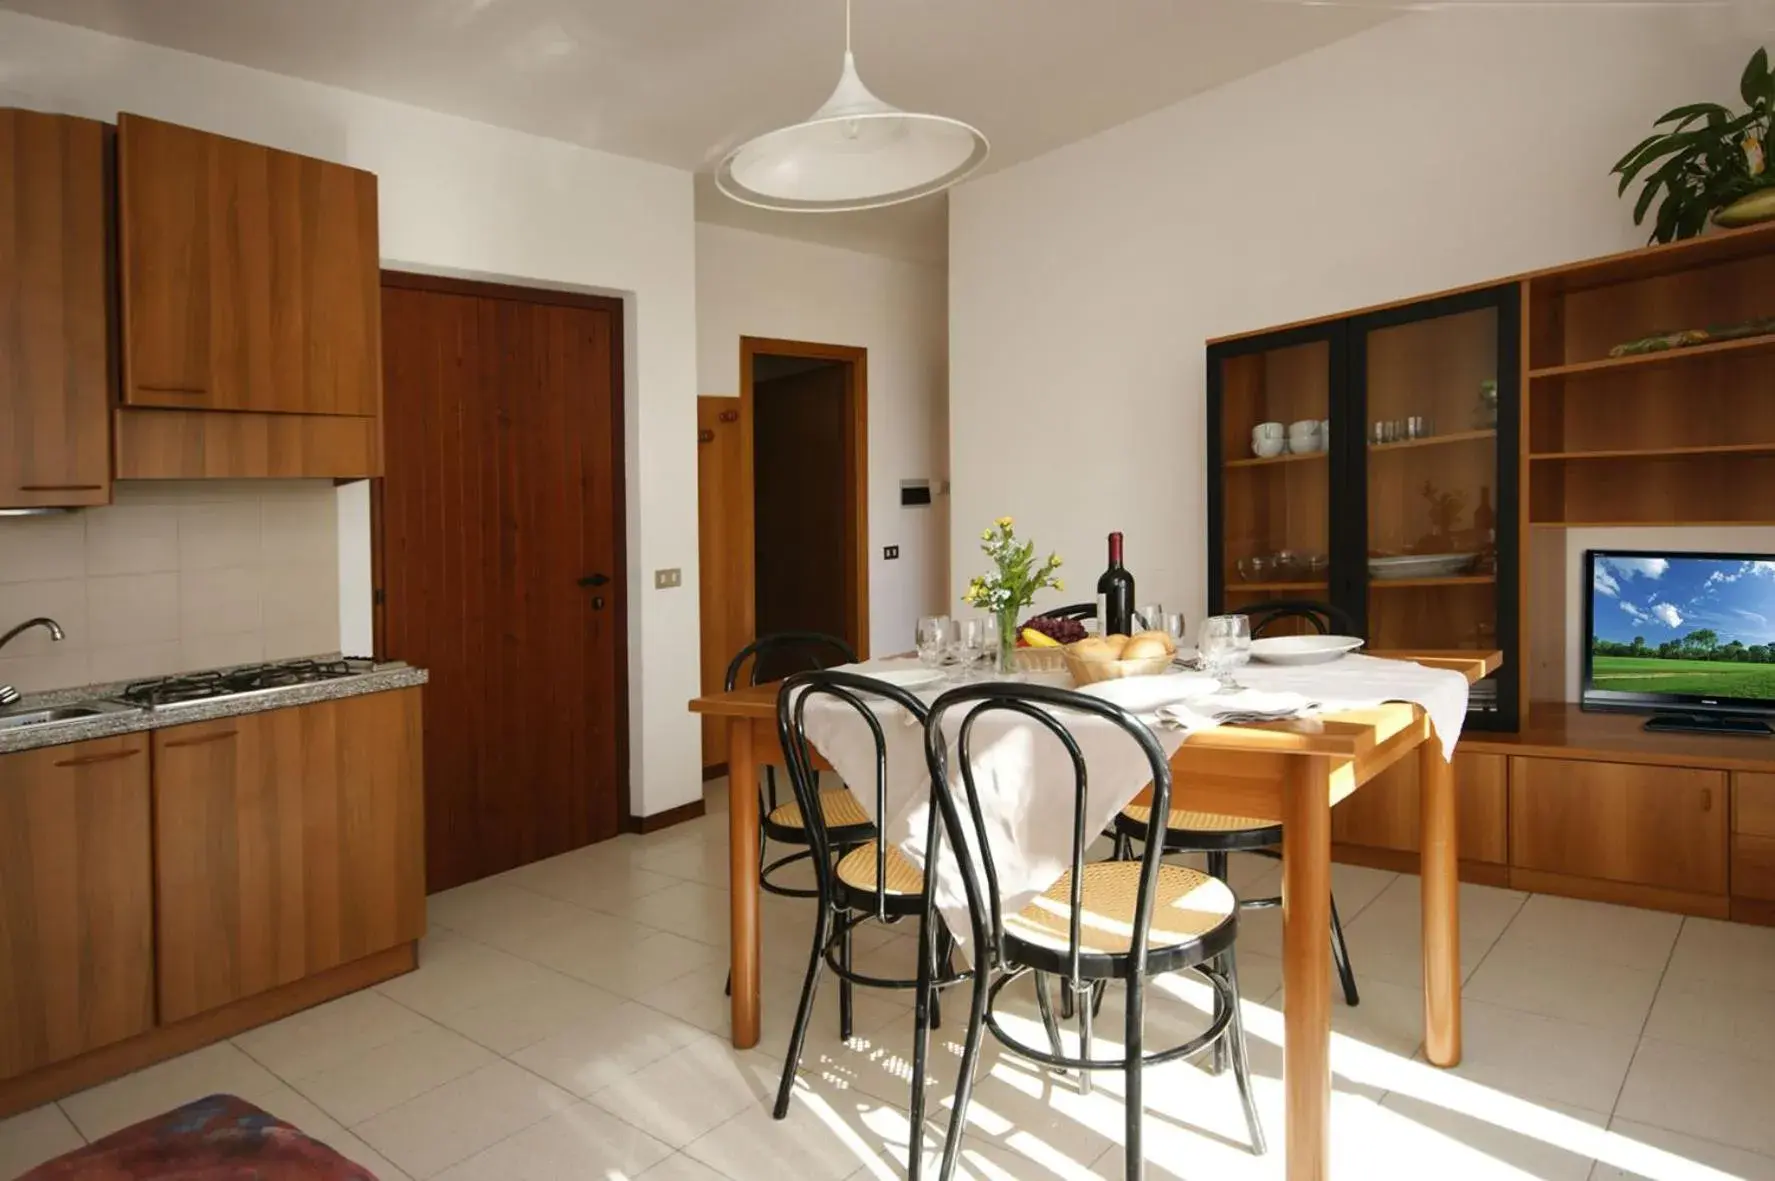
(1006, 664)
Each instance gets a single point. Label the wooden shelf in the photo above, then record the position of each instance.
(1770, 523)
(1234, 587)
(1275, 459)
(1435, 440)
(1749, 345)
(1662, 452)
(1375, 584)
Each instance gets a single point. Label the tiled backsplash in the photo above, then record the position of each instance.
(173, 576)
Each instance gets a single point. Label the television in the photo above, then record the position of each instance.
(1686, 637)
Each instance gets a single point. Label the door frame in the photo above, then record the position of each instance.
(856, 387)
(619, 581)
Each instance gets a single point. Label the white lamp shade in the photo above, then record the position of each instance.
(855, 152)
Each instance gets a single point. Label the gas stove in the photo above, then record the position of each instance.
(187, 688)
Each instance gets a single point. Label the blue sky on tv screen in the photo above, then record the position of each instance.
(1667, 598)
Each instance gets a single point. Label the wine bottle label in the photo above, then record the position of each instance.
(1102, 615)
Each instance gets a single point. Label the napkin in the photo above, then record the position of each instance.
(1226, 709)
(1147, 695)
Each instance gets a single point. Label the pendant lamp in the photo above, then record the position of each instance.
(856, 152)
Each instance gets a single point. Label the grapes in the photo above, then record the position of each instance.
(1064, 631)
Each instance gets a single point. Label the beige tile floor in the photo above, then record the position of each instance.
(567, 1021)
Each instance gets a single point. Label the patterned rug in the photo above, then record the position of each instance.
(220, 1138)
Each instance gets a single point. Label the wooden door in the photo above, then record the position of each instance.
(502, 552)
(250, 275)
(1384, 814)
(76, 921)
(286, 843)
(55, 378)
(1644, 825)
(724, 549)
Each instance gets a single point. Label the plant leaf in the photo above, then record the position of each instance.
(1668, 213)
(1637, 148)
(1688, 114)
(1754, 85)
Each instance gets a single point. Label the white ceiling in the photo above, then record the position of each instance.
(682, 81)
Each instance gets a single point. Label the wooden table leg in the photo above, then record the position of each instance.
(1441, 884)
(1306, 967)
(742, 871)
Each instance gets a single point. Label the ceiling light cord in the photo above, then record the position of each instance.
(847, 26)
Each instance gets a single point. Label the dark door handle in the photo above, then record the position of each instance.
(594, 580)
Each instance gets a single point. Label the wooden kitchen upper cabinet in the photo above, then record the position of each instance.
(1663, 827)
(286, 843)
(55, 362)
(76, 925)
(250, 276)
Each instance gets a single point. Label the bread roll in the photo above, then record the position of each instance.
(1093, 648)
(1146, 648)
(1162, 637)
(1116, 642)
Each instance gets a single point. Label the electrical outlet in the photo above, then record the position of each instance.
(667, 579)
(890, 552)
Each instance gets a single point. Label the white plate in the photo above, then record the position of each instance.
(1419, 565)
(1303, 649)
(906, 678)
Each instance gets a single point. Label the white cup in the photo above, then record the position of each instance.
(1267, 448)
(1306, 426)
(1268, 430)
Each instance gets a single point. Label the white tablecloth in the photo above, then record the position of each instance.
(1025, 779)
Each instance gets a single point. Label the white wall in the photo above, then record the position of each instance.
(467, 198)
(1436, 150)
(750, 284)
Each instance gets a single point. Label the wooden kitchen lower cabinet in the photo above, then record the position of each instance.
(1384, 814)
(76, 924)
(1664, 828)
(286, 843)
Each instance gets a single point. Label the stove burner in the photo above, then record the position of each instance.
(163, 691)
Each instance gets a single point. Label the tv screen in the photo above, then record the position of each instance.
(1680, 630)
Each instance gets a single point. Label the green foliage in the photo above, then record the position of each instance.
(1015, 575)
(1707, 158)
(1701, 645)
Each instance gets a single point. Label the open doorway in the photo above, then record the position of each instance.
(783, 505)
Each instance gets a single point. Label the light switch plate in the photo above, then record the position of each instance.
(890, 552)
(667, 579)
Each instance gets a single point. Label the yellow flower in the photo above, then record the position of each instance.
(1003, 522)
(985, 535)
(1059, 584)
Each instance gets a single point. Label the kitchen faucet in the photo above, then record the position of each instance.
(8, 694)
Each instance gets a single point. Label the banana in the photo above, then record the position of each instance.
(1037, 639)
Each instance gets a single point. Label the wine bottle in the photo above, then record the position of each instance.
(1115, 593)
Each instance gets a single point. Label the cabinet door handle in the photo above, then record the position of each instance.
(195, 392)
(108, 757)
(203, 740)
(61, 487)
(1707, 799)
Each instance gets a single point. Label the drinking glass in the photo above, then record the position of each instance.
(1224, 644)
(968, 644)
(1147, 618)
(933, 639)
(1172, 624)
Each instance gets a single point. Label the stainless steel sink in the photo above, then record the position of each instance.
(13, 719)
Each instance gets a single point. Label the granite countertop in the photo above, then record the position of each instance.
(131, 720)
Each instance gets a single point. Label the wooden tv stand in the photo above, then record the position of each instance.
(1590, 805)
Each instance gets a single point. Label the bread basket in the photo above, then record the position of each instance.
(1086, 672)
(1041, 660)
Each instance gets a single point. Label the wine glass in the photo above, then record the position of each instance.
(1224, 644)
(1172, 624)
(968, 644)
(1147, 618)
(933, 639)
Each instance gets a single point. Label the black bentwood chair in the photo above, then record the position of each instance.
(1106, 921)
(872, 881)
(1215, 835)
(772, 657)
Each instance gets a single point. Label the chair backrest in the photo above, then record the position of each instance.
(781, 653)
(793, 700)
(1079, 611)
(1325, 618)
(1046, 707)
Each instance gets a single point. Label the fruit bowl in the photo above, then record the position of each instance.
(1041, 660)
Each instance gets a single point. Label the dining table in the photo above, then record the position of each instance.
(1292, 771)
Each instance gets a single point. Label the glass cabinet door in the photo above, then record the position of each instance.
(1436, 384)
(1273, 417)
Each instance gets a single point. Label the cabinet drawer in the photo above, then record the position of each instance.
(1753, 803)
(1653, 826)
(1753, 867)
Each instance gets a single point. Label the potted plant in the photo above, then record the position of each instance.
(1010, 585)
(1709, 161)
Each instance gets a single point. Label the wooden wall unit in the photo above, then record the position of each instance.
(75, 905)
(287, 843)
(55, 380)
(250, 276)
(201, 445)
